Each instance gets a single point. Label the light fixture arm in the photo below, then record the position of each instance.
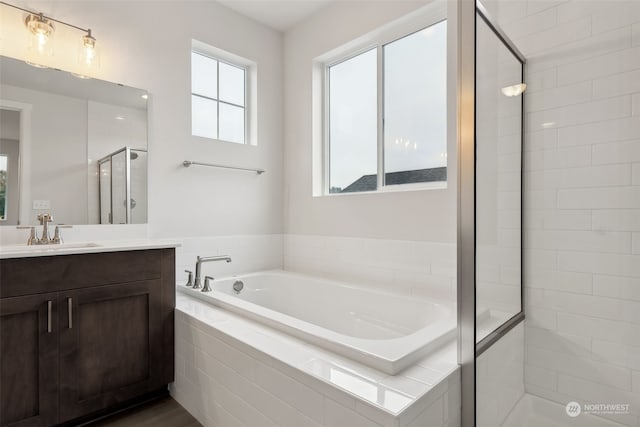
(41, 15)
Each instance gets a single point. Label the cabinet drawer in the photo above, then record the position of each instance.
(28, 276)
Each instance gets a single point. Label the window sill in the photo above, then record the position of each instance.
(402, 188)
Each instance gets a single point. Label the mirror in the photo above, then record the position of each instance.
(70, 146)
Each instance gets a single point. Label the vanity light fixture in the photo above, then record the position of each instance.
(41, 29)
(514, 90)
(144, 96)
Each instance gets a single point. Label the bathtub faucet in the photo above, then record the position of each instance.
(198, 283)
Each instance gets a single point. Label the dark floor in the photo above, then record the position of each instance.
(165, 412)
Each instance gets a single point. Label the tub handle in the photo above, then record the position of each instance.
(207, 285)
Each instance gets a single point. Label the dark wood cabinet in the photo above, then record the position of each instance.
(94, 344)
(29, 361)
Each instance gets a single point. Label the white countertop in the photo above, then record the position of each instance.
(72, 248)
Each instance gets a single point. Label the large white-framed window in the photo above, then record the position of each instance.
(223, 90)
(385, 112)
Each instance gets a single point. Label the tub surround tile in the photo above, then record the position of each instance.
(232, 350)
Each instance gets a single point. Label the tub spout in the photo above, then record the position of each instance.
(198, 282)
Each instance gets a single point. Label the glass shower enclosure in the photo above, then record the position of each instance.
(123, 187)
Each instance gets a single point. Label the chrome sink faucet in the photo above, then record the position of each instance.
(45, 219)
(198, 282)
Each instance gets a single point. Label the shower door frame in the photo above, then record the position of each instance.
(127, 161)
(467, 13)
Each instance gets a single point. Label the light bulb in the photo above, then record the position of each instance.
(88, 56)
(41, 34)
(89, 47)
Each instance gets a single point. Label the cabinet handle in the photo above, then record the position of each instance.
(70, 311)
(49, 309)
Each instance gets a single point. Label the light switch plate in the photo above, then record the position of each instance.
(41, 204)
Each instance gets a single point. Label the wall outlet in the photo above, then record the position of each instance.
(41, 204)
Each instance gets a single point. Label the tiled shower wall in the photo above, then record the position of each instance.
(582, 199)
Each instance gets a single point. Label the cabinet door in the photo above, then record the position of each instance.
(110, 346)
(28, 361)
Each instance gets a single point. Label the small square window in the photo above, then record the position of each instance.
(218, 99)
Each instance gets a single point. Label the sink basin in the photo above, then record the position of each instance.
(47, 248)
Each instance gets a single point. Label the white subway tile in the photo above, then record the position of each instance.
(560, 158)
(541, 80)
(544, 139)
(540, 377)
(560, 281)
(566, 220)
(588, 112)
(577, 240)
(306, 400)
(600, 329)
(616, 220)
(594, 306)
(636, 381)
(536, 6)
(533, 297)
(580, 367)
(600, 198)
(636, 174)
(618, 84)
(616, 152)
(556, 36)
(558, 97)
(593, 176)
(531, 24)
(600, 263)
(432, 416)
(336, 415)
(540, 199)
(616, 353)
(573, 10)
(617, 287)
(219, 416)
(572, 345)
(636, 34)
(636, 244)
(635, 105)
(580, 50)
(600, 132)
(600, 66)
(620, 14)
(542, 318)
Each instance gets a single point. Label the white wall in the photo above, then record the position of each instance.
(58, 160)
(147, 45)
(582, 199)
(413, 215)
(11, 149)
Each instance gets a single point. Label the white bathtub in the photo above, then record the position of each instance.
(386, 331)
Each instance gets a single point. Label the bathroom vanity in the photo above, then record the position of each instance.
(84, 331)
